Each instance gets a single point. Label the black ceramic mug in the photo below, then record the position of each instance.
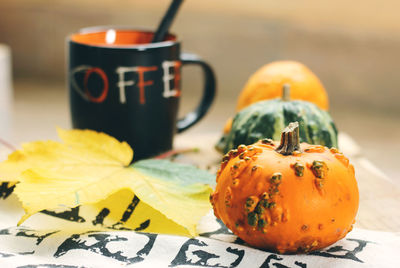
(125, 86)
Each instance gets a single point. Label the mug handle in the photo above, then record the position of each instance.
(209, 91)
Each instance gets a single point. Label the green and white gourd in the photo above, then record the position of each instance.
(267, 119)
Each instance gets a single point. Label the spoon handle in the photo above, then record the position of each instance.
(166, 22)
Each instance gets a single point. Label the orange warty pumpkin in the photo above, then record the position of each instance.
(267, 82)
(286, 197)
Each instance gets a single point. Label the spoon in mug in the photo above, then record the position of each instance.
(166, 22)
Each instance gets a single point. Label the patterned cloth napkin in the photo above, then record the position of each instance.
(69, 239)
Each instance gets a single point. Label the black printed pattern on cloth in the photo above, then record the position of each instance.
(343, 253)
(99, 244)
(193, 252)
(26, 232)
(275, 261)
(6, 190)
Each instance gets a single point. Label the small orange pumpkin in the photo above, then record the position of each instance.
(267, 82)
(286, 197)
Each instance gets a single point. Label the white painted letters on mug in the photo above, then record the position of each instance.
(167, 77)
(171, 73)
(122, 83)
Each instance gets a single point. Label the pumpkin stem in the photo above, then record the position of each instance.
(286, 92)
(290, 140)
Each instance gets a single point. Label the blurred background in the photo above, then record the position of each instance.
(352, 46)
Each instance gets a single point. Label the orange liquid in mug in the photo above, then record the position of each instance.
(116, 37)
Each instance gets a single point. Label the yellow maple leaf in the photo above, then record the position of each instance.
(90, 167)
